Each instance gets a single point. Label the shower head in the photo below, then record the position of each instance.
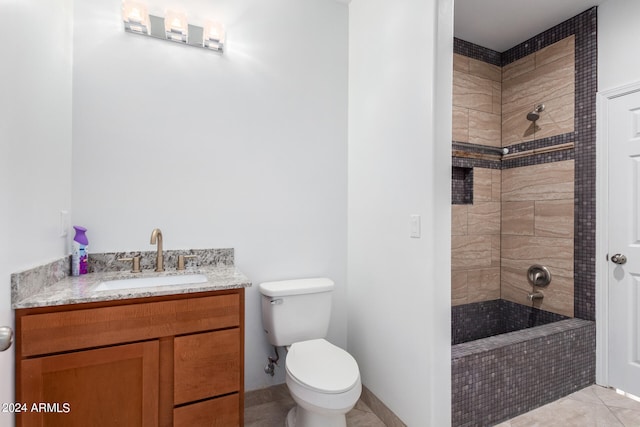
(535, 114)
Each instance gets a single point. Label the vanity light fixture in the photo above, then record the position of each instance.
(213, 37)
(135, 18)
(173, 27)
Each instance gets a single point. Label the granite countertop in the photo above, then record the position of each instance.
(62, 289)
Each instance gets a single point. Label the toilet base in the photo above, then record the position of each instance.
(300, 417)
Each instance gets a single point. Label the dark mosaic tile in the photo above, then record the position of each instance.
(474, 51)
(461, 186)
(497, 378)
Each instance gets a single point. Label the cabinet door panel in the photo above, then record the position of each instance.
(206, 365)
(220, 412)
(114, 386)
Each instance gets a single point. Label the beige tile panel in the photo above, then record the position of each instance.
(472, 92)
(496, 92)
(459, 288)
(519, 67)
(520, 252)
(459, 220)
(460, 124)
(496, 185)
(556, 119)
(548, 181)
(554, 218)
(546, 82)
(555, 51)
(461, 63)
(558, 296)
(483, 284)
(495, 251)
(485, 128)
(468, 252)
(518, 218)
(485, 70)
(484, 218)
(482, 185)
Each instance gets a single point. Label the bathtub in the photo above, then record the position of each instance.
(507, 359)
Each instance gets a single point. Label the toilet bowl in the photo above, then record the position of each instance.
(324, 381)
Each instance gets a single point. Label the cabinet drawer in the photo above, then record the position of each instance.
(206, 365)
(94, 327)
(223, 411)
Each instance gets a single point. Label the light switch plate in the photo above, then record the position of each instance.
(414, 226)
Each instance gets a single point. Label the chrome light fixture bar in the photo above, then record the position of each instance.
(173, 27)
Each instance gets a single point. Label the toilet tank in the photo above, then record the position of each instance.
(296, 310)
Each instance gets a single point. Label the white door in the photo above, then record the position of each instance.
(624, 243)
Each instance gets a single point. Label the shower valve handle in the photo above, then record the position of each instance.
(619, 259)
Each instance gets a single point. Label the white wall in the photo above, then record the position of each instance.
(618, 33)
(35, 147)
(244, 150)
(399, 164)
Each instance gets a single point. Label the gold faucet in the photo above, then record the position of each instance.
(156, 236)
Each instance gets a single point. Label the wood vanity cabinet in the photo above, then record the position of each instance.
(160, 361)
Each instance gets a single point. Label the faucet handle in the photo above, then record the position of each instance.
(135, 267)
(181, 259)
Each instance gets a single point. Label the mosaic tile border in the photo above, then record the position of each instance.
(463, 162)
(498, 378)
(475, 51)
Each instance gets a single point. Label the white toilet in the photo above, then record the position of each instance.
(323, 379)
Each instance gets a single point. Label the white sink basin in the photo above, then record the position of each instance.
(146, 282)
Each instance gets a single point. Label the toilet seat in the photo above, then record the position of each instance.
(322, 367)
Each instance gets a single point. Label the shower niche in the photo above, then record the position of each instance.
(461, 185)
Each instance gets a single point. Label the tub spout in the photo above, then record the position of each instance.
(537, 295)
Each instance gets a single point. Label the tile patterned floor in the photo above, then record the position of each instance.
(593, 406)
(269, 408)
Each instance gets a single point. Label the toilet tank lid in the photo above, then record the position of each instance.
(296, 287)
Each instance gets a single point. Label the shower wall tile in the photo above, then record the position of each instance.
(540, 85)
(518, 218)
(520, 252)
(484, 218)
(564, 47)
(484, 128)
(557, 119)
(519, 67)
(470, 252)
(482, 185)
(548, 181)
(485, 285)
(459, 220)
(459, 287)
(496, 185)
(554, 218)
(558, 296)
(496, 243)
(472, 92)
(497, 97)
(460, 124)
(461, 63)
(485, 70)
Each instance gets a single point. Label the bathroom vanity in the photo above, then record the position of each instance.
(162, 356)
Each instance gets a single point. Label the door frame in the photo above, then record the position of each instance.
(602, 221)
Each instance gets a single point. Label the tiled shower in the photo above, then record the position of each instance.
(523, 193)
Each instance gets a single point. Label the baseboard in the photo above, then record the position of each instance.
(381, 410)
